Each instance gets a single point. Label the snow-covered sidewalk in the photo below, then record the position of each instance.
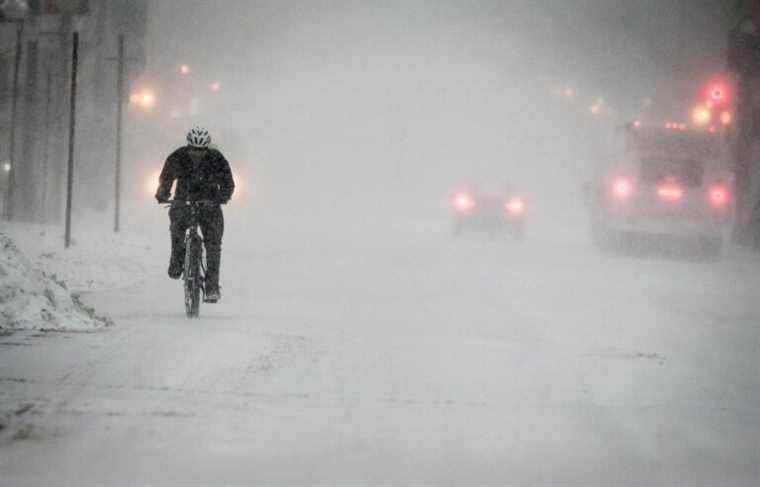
(33, 298)
(97, 260)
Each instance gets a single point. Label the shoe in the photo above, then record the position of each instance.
(213, 294)
(175, 270)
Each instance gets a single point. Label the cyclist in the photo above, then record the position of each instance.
(202, 174)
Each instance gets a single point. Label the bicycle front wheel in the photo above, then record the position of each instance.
(192, 278)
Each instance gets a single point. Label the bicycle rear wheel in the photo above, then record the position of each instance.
(192, 277)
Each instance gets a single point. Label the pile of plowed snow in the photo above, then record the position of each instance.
(33, 299)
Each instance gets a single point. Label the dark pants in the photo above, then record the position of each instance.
(211, 222)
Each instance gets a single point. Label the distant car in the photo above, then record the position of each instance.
(489, 208)
(662, 184)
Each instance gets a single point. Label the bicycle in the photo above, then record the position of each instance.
(194, 272)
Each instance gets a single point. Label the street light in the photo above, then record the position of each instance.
(7, 167)
(184, 70)
(14, 11)
(144, 99)
(215, 87)
(597, 107)
(151, 183)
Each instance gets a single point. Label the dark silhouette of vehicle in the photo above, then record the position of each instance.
(490, 208)
(669, 184)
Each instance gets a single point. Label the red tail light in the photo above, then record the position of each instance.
(719, 196)
(464, 202)
(622, 188)
(718, 93)
(515, 206)
(670, 192)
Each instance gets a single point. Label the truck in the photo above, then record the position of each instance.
(662, 184)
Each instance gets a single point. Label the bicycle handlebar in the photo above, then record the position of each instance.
(171, 203)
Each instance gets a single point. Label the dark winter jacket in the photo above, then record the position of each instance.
(211, 179)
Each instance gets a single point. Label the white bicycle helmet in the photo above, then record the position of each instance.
(198, 137)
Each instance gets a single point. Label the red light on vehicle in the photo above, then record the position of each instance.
(718, 93)
(670, 192)
(515, 206)
(718, 196)
(464, 202)
(726, 118)
(622, 188)
(637, 124)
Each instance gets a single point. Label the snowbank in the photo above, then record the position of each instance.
(97, 261)
(33, 299)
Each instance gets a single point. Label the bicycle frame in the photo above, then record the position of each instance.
(194, 275)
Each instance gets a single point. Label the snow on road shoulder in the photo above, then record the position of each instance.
(97, 260)
(34, 299)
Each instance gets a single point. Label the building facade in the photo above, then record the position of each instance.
(34, 188)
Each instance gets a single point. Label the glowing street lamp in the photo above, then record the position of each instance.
(215, 87)
(6, 167)
(144, 99)
(151, 182)
(184, 70)
(597, 108)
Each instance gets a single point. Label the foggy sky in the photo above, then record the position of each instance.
(350, 91)
(609, 42)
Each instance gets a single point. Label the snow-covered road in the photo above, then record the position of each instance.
(405, 360)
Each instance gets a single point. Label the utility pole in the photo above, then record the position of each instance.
(121, 85)
(72, 135)
(119, 129)
(8, 206)
(26, 204)
(46, 144)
